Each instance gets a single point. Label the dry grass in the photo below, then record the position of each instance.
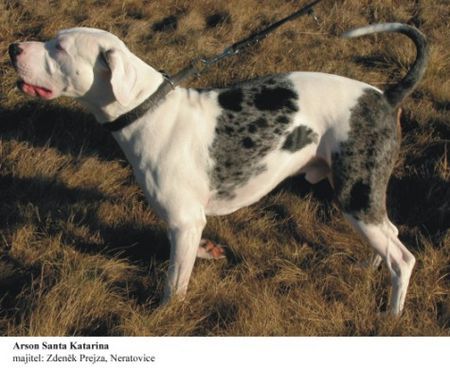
(82, 254)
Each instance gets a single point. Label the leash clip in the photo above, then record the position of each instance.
(168, 79)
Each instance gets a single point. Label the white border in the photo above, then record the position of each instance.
(242, 361)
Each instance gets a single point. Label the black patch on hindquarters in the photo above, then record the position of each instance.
(364, 163)
(359, 196)
(247, 133)
(298, 138)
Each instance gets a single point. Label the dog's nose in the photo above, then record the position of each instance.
(14, 51)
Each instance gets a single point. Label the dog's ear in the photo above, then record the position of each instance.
(123, 75)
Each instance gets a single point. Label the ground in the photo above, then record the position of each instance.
(82, 254)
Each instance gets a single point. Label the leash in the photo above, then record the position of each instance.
(198, 66)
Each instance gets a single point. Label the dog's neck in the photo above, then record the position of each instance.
(106, 108)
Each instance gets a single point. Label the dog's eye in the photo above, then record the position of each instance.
(59, 47)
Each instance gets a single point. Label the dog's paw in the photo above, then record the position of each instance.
(209, 250)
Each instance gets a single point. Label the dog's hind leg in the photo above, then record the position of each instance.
(375, 261)
(362, 197)
(399, 260)
(360, 171)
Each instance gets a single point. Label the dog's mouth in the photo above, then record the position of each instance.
(34, 90)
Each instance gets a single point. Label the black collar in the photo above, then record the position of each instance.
(147, 105)
(153, 101)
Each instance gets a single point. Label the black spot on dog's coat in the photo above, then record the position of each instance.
(248, 143)
(272, 99)
(252, 128)
(229, 130)
(283, 119)
(231, 99)
(261, 122)
(299, 138)
(359, 196)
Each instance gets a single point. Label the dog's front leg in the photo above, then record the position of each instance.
(184, 242)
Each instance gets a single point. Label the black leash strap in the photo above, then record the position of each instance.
(236, 48)
(198, 66)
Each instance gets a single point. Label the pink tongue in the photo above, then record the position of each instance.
(36, 90)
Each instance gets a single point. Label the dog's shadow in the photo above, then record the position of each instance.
(144, 247)
(70, 130)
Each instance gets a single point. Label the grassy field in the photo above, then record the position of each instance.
(82, 254)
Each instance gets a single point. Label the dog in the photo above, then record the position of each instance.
(210, 152)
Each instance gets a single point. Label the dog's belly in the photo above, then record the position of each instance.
(277, 167)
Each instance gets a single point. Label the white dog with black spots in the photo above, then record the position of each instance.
(210, 152)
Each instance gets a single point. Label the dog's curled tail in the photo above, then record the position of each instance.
(396, 93)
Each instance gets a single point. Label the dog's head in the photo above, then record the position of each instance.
(84, 63)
